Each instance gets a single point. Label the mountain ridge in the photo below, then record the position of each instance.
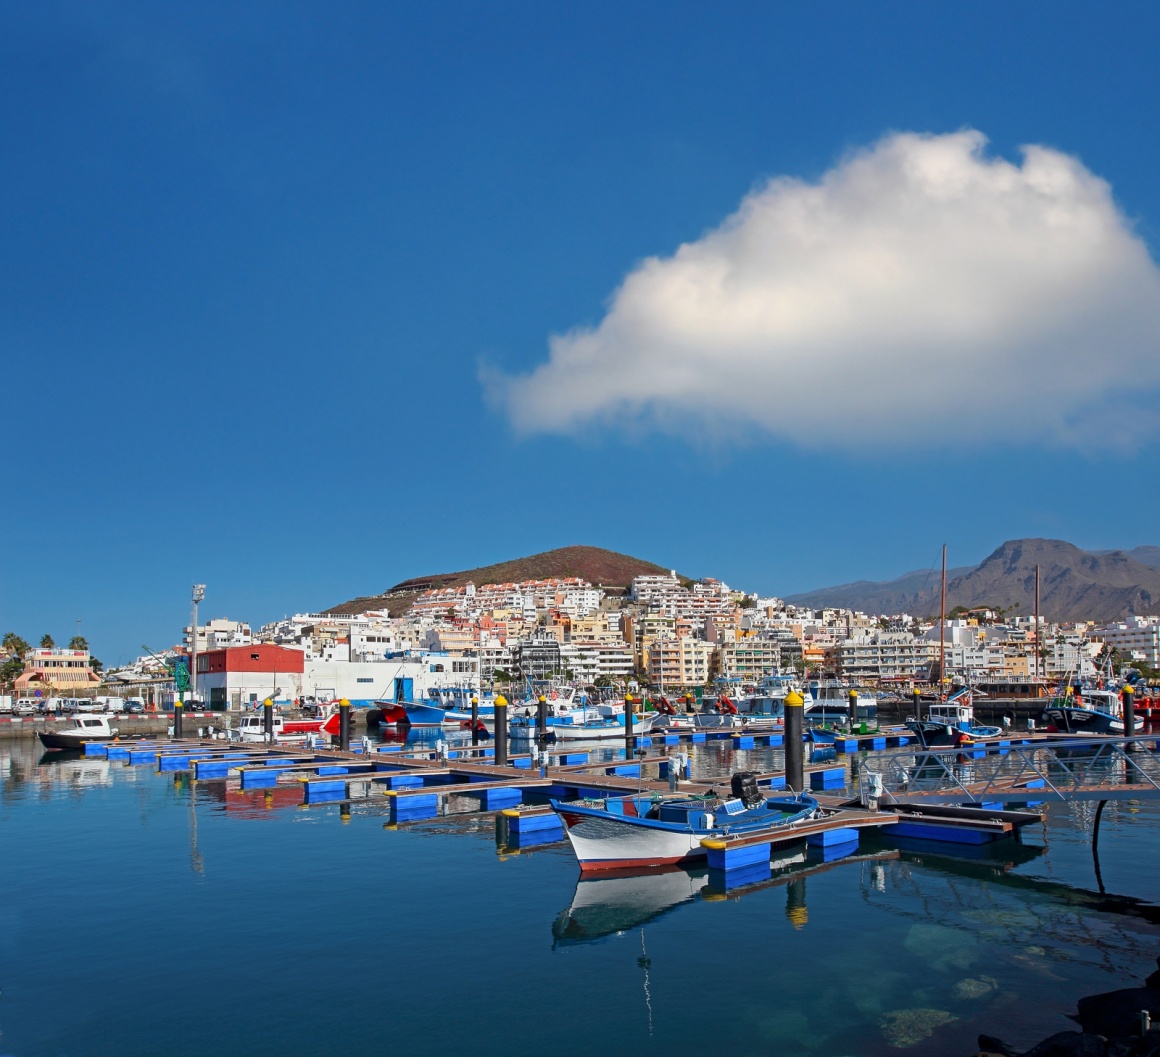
(1073, 584)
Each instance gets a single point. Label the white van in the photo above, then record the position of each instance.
(110, 704)
(5, 704)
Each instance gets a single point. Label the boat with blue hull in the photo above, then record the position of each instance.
(1088, 711)
(951, 722)
(652, 830)
(594, 723)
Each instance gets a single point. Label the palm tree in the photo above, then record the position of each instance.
(78, 642)
(47, 642)
(14, 645)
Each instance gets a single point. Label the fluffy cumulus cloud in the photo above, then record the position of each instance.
(920, 291)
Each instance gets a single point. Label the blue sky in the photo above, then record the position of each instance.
(261, 259)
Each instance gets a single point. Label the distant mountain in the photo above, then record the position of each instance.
(1073, 584)
(604, 568)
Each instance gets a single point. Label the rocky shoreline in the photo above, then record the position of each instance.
(1112, 1024)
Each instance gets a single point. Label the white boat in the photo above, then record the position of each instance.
(252, 728)
(594, 723)
(83, 728)
(646, 830)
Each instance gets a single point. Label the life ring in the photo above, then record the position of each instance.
(554, 696)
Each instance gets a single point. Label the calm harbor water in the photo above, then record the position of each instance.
(142, 913)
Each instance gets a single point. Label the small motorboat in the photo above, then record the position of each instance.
(252, 728)
(83, 728)
(951, 723)
(653, 830)
(594, 723)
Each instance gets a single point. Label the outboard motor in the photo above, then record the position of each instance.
(744, 787)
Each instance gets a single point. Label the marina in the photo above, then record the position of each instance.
(972, 927)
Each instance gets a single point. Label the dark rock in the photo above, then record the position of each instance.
(1070, 1044)
(990, 1044)
(1117, 1013)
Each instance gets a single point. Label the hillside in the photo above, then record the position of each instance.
(605, 568)
(1073, 584)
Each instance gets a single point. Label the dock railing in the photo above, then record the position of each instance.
(1063, 770)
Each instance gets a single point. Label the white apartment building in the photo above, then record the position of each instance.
(885, 655)
(217, 634)
(1137, 636)
(590, 661)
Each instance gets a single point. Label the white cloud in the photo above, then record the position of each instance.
(921, 289)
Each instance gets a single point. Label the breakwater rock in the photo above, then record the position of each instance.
(1112, 1024)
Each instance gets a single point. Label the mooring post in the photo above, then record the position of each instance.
(501, 731)
(628, 707)
(795, 771)
(268, 720)
(474, 719)
(541, 722)
(178, 708)
(1129, 710)
(344, 725)
(852, 704)
(917, 696)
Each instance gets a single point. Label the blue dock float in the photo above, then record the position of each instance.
(260, 777)
(832, 838)
(509, 796)
(409, 808)
(567, 759)
(541, 823)
(317, 791)
(847, 745)
(743, 741)
(402, 780)
(737, 857)
(140, 755)
(631, 770)
(828, 778)
(698, 736)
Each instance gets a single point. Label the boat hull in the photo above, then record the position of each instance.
(53, 740)
(603, 843)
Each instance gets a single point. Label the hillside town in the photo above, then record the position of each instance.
(664, 633)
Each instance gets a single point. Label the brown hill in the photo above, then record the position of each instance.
(1073, 585)
(607, 569)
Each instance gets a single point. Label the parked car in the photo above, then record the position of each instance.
(26, 706)
(135, 705)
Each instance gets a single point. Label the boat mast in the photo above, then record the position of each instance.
(942, 627)
(1037, 630)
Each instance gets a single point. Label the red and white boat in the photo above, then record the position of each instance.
(253, 727)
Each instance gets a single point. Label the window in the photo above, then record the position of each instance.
(362, 679)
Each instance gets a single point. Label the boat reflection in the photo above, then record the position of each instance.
(619, 900)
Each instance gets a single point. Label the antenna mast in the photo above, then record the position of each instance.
(942, 627)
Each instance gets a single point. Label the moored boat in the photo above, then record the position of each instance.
(1087, 711)
(83, 728)
(649, 830)
(951, 722)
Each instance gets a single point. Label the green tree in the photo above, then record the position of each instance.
(96, 665)
(11, 670)
(14, 645)
(78, 642)
(47, 642)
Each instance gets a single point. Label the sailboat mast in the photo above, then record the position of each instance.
(1037, 630)
(942, 627)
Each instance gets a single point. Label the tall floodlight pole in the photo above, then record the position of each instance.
(198, 595)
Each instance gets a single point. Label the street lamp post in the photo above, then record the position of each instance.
(198, 595)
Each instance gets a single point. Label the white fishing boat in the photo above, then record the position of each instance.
(650, 830)
(81, 729)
